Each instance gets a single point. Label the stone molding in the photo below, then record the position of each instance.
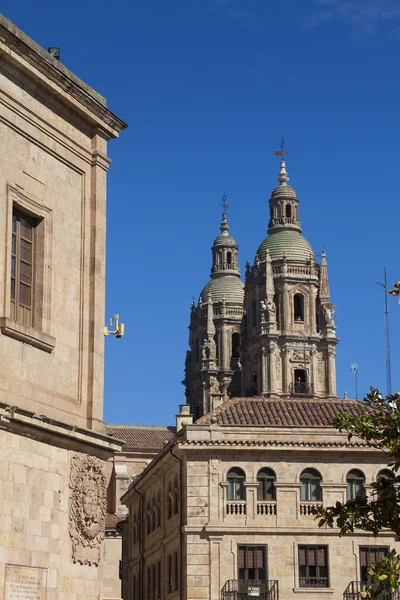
(87, 508)
(274, 444)
(54, 71)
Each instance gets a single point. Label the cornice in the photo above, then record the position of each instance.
(273, 444)
(34, 55)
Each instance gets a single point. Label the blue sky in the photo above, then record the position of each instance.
(208, 88)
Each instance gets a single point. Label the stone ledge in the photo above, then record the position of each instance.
(57, 433)
(306, 590)
(27, 335)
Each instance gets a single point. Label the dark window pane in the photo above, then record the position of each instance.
(26, 229)
(13, 266)
(25, 272)
(26, 250)
(12, 289)
(24, 294)
(14, 244)
(14, 223)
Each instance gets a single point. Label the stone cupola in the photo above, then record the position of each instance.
(288, 334)
(212, 369)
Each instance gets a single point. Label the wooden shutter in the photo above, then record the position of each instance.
(302, 556)
(311, 557)
(241, 557)
(250, 563)
(321, 557)
(259, 558)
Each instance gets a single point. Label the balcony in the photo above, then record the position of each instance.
(239, 589)
(313, 582)
(354, 589)
(301, 389)
(236, 507)
(266, 508)
(307, 508)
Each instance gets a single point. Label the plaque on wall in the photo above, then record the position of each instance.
(25, 583)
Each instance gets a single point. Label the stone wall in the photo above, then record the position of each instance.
(35, 517)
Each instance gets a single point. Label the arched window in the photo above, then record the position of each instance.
(229, 258)
(266, 484)
(298, 307)
(288, 210)
(235, 345)
(310, 486)
(386, 474)
(236, 479)
(253, 313)
(355, 484)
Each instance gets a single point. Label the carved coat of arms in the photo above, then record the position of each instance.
(87, 508)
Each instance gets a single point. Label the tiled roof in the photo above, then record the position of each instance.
(113, 520)
(142, 438)
(302, 412)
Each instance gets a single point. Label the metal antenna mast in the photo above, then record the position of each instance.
(387, 337)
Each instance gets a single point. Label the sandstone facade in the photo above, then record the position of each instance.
(53, 163)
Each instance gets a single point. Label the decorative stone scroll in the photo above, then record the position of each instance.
(87, 508)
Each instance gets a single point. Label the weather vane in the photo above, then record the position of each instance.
(282, 152)
(223, 202)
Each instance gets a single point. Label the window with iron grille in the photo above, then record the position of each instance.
(313, 566)
(22, 267)
(252, 563)
(368, 556)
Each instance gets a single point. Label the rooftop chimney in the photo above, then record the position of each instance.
(184, 417)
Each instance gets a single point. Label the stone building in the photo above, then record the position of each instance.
(225, 509)
(54, 131)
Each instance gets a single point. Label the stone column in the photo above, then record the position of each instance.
(224, 486)
(271, 368)
(286, 377)
(251, 488)
(331, 372)
(264, 371)
(215, 566)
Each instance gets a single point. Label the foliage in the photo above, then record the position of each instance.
(379, 428)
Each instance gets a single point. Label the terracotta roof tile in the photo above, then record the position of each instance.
(293, 412)
(113, 520)
(150, 438)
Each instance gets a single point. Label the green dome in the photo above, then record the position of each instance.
(227, 287)
(288, 242)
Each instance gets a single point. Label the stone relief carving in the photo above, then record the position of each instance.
(214, 465)
(299, 356)
(320, 369)
(87, 508)
(277, 365)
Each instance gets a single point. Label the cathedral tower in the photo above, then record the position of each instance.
(212, 370)
(288, 334)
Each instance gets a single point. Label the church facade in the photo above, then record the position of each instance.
(273, 337)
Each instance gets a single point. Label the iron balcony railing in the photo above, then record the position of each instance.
(314, 582)
(354, 589)
(301, 389)
(241, 589)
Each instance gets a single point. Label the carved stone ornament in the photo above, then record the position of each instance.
(87, 508)
(214, 465)
(277, 365)
(320, 371)
(299, 356)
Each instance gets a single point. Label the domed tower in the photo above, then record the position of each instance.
(288, 335)
(212, 370)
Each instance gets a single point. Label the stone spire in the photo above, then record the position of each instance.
(283, 176)
(283, 205)
(225, 250)
(324, 292)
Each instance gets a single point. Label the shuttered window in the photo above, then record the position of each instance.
(22, 267)
(368, 556)
(313, 566)
(252, 563)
